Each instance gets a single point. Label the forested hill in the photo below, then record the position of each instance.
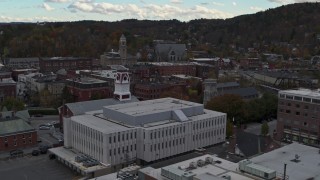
(294, 24)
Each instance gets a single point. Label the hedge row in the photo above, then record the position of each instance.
(43, 111)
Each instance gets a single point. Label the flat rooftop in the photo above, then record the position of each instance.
(99, 123)
(87, 80)
(303, 92)
(308, 167)
(211, 171)
(69, 156)
(151, 106)
(146, 113)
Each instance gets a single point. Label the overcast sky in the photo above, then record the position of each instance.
(113, 10)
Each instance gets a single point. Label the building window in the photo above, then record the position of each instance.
(288, 111)
(24, 142)
(5, 139)
(14, 137)
(298, 113)
(297, 105)
(305, 114)
(23, 137)
(289, 104)
(110, 139)
(306, 107)
(30, 141)
(15, 143)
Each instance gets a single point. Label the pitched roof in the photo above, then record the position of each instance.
(85, 106)
(14, 126)
(163, 50)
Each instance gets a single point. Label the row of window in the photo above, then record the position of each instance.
(166, 144)
(15, 137)
(124, 150)
(299, 98)
(205, 135)
(15, 143)
(288, 111)
(174, 130)
(297, 105)
(124, 137)
(207, 123)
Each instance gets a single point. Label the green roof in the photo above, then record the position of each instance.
(14, 126)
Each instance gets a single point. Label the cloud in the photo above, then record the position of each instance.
(57, 1)
(254, 8)
(176, 1)
(204, 3)
(147, 11)
(234, 3)
(46, 7)
(28, 19)
(217, 4)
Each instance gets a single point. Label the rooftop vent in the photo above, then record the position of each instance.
(296, 158)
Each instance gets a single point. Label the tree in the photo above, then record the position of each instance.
(228, 103)
(177, 92)
(229, 129)
(12, 103)
(66, 96)
(264, 129)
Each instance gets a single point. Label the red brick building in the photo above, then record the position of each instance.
(150, 91)
(68, 63)
(85, 89)
(168, 69)
(16, 134)
(8, 88)
(298, 116)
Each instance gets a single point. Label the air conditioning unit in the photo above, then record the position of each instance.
(193, 165)
(209, 160)
(200, 162)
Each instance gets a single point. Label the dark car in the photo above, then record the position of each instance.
(16, 152)
(35, 153)
(38, 115)
(44, 149)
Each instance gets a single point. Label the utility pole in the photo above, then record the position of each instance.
(284, 171)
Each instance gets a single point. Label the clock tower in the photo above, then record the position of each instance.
(122, 86)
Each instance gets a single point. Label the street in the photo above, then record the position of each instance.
(255, 128)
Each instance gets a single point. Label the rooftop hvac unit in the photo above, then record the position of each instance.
(228, 177)
(200, 162)
(193, 165)
(209, 160)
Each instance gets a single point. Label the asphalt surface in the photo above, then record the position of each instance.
(34, 168)
(255, 128)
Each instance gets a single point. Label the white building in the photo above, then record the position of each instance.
(146, 131)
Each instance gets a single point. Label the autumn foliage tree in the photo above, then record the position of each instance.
(230, 104)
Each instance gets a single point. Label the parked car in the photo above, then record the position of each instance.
(200, 150)
(44, 128)
(44, 149)
(35, 153)
(16, 152)
(38, 115)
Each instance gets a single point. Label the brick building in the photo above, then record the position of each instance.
(298, 116)
(8, 87)
(85, 89)
(16, 134)
(54, 64)
(251, 63)
(149, 91)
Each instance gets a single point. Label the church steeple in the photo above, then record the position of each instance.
(123, 47)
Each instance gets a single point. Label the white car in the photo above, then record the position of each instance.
(200, 149)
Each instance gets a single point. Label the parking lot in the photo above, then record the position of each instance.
(46, 136)
(34, 168)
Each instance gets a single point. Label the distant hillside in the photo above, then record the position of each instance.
(297, 24)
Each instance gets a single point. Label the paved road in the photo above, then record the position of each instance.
(34, 168)
(45, 135)
(255, 128)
